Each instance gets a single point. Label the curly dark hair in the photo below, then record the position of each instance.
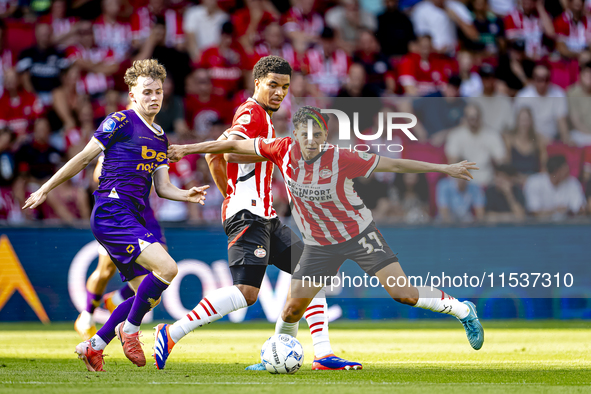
(300, 118)
(271, 64)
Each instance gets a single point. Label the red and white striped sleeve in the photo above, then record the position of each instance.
(356, 164)
(273, 149)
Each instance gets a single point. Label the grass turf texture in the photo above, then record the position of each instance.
(409, 357)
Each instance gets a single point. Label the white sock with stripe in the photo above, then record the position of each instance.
(436, 300)
(216, 305)
(317, 317)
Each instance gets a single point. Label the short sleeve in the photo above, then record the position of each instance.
(359, 163)
(247, 124)
(273, 149)
(114, 128)
(561, 27)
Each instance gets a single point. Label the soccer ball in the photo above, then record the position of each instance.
(282, 353)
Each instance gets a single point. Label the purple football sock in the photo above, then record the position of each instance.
(92, 301)
(147, 293)
(107, 332)
(126, 291)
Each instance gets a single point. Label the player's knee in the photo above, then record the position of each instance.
(250, 294)
(169, 270)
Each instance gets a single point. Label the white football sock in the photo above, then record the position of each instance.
(436, 300)
(97, 343)
(282, 327)
(317, 317)
(216, 305)
(86, 319)
(129, 328)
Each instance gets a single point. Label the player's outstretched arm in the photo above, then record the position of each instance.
(165, 189)
(459, 170)
(71, 168)
(245, 147)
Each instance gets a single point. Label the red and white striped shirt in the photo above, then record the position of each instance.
(326, 208)
(90, 82)
(329, 73)
(115, 36)
(576, 35)
(249, 185)
(527, 28)
(143, 19)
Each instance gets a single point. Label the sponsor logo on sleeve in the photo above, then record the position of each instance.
(244, 119)
(109, 125)
(364, 156)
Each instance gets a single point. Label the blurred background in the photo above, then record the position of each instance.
(504, 83)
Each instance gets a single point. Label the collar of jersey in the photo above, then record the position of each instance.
(312, 161)
(154, 127)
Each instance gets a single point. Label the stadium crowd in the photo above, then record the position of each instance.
(505, 84)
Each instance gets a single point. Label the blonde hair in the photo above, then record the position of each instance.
(149, 68)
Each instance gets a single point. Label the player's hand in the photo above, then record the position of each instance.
(35, 199)
(197, 194)
(461, 170)
(175, 153)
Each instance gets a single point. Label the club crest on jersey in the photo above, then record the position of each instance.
(244, 119)
(109, 125)
(325, 173)
(260, 253)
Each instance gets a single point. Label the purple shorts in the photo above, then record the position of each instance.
(153, 225)
(124, 233)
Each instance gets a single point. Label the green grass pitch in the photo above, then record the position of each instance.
(398, 357)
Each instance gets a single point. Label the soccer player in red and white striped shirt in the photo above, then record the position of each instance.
(334, 222)
(256, 237)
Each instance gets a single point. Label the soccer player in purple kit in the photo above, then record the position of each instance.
(135, 156)
(97, 281)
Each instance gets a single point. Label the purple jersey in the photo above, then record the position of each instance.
(134, 150)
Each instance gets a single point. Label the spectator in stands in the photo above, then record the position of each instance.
(177, 63)
(438, 113)
(64, 27)
(474, 143)
(36, 161)
(376, 64)
(9, 207)
(515, 68)
(579, 107)
(250, 22)
(302, 25)
(440, 19)
(459, 201)
(66, 98)
(18, 108)
(493, 103)
(526, 150)
(78, 136)
(7, 57)
(395, 31)
(572, 29)
(158, 11)
(490, 29)
(504, 199)
(356, 85)
(410, 198)
(274, 43)
(111, 32)
(555, 193)
(203, 108)
(226, 62)
(529, 22)
(548, 104)
(8, 8)
(96, 64)
(41, 65)
(326, 64)
(202, 25)
(374, 194)
(348, 21)
(471, 82)
(425, 72)
(172, 115)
